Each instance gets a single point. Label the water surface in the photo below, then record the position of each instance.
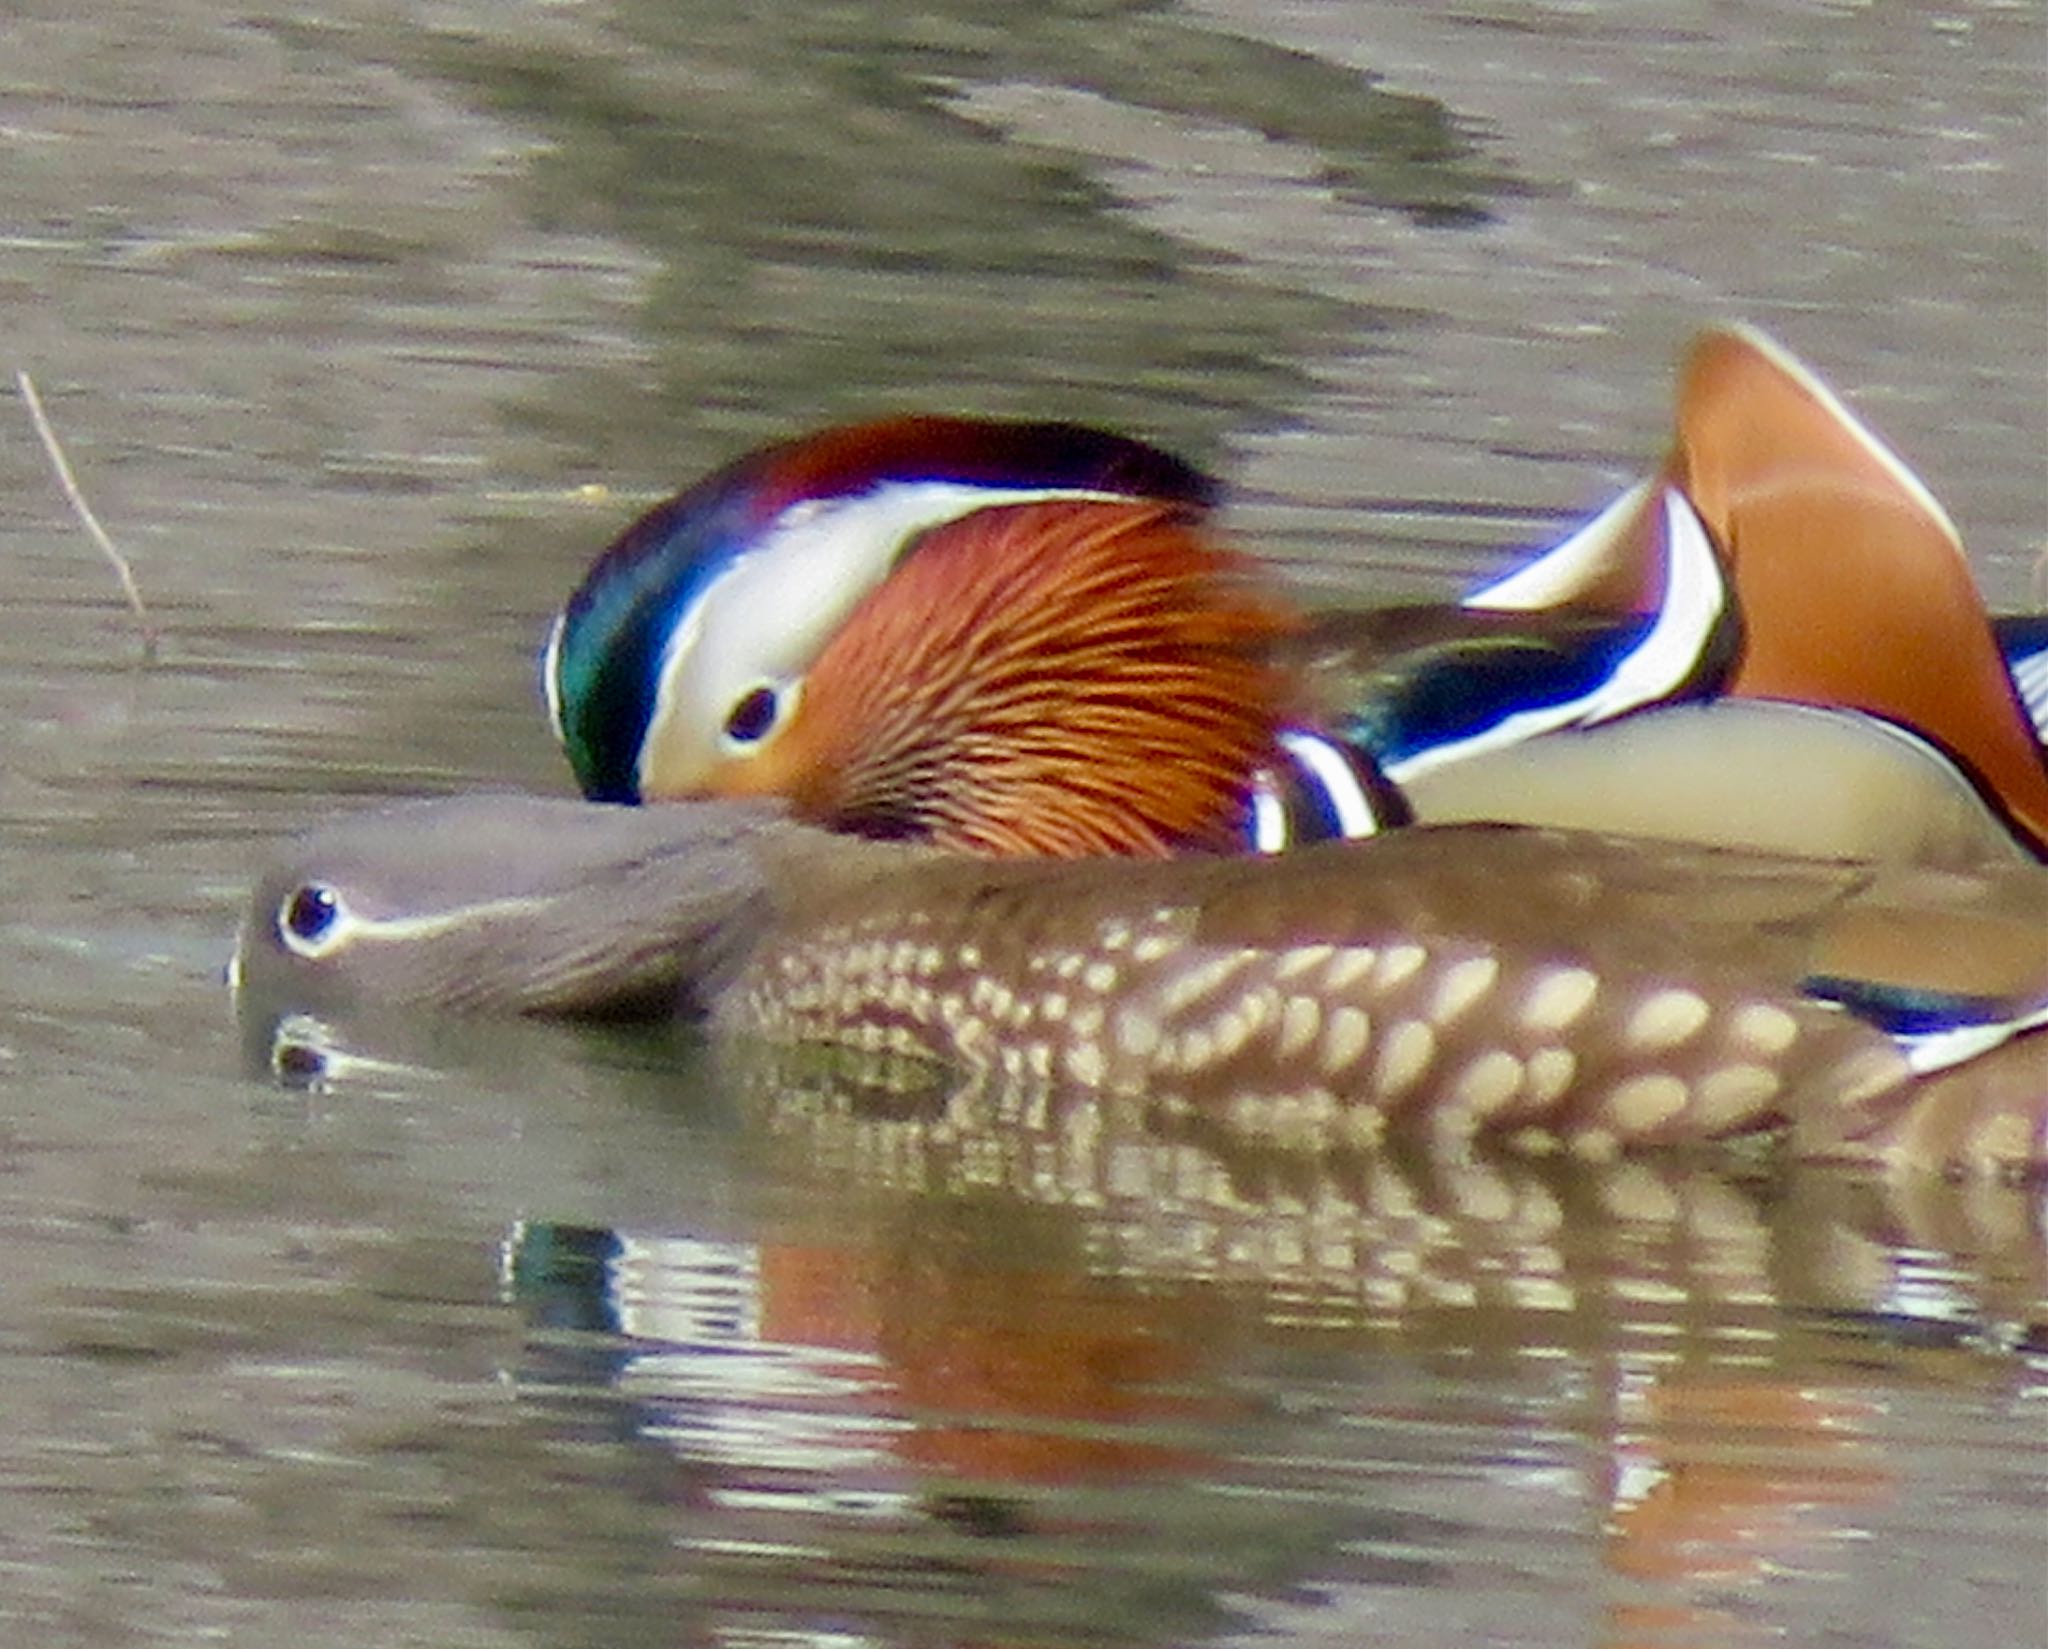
(367, 327)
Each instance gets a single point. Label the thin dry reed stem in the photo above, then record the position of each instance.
(69, 482)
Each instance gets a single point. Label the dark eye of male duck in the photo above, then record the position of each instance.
(1012, 639)
(1543, 986)
(1021, 639)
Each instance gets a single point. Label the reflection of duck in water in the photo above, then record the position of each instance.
(938, 1358)
(1067, 666)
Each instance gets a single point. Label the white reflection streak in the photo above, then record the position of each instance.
(723, 1393)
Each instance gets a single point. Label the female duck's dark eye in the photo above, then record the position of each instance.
(753, 716)
(309, 913)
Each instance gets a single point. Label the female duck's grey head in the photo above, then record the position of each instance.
(510, 903)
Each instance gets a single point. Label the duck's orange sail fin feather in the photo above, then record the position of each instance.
(1850, 577)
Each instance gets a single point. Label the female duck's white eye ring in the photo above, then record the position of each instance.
(760, 710)
(311, 920)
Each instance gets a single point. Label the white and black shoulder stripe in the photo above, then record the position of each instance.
(1320, 789)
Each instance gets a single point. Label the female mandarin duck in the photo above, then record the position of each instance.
(1546, 986)
(1022, 639)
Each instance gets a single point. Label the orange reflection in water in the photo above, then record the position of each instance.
(1722, 1483)
(1009, 1377)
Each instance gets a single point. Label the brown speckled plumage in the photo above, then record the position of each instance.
(1518, 983)
(1548, 988)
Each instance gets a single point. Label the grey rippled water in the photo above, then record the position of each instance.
(366, 324)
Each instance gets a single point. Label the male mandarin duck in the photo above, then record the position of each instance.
(1019, 638)
(1546, 986)
(1006, 638)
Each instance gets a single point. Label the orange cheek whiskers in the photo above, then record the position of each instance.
(1053, 679)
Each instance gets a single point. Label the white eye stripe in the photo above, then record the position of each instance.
(346, 928)
(895, 512)
(767, 615)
